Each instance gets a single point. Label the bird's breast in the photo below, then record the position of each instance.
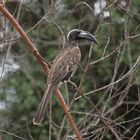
(74, 56)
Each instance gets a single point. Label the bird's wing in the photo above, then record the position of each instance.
(64, 63)
(59, 70)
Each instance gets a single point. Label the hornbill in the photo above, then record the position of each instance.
(62, 68)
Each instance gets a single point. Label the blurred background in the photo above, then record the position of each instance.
(108, 75)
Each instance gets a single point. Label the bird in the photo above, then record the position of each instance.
(62, 68)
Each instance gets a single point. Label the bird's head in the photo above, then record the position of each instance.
(77, 34)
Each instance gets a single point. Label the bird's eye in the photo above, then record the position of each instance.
(79, 32)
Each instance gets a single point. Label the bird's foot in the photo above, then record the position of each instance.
(73, 85)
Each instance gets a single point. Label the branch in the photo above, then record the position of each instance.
(44, 66)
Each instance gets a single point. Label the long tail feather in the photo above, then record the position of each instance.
(42, 109)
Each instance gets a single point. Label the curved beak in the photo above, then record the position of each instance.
(88, 36)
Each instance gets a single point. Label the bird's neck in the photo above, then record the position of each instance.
(72, 44)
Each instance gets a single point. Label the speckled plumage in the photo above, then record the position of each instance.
(64, 63)
(63, 66)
